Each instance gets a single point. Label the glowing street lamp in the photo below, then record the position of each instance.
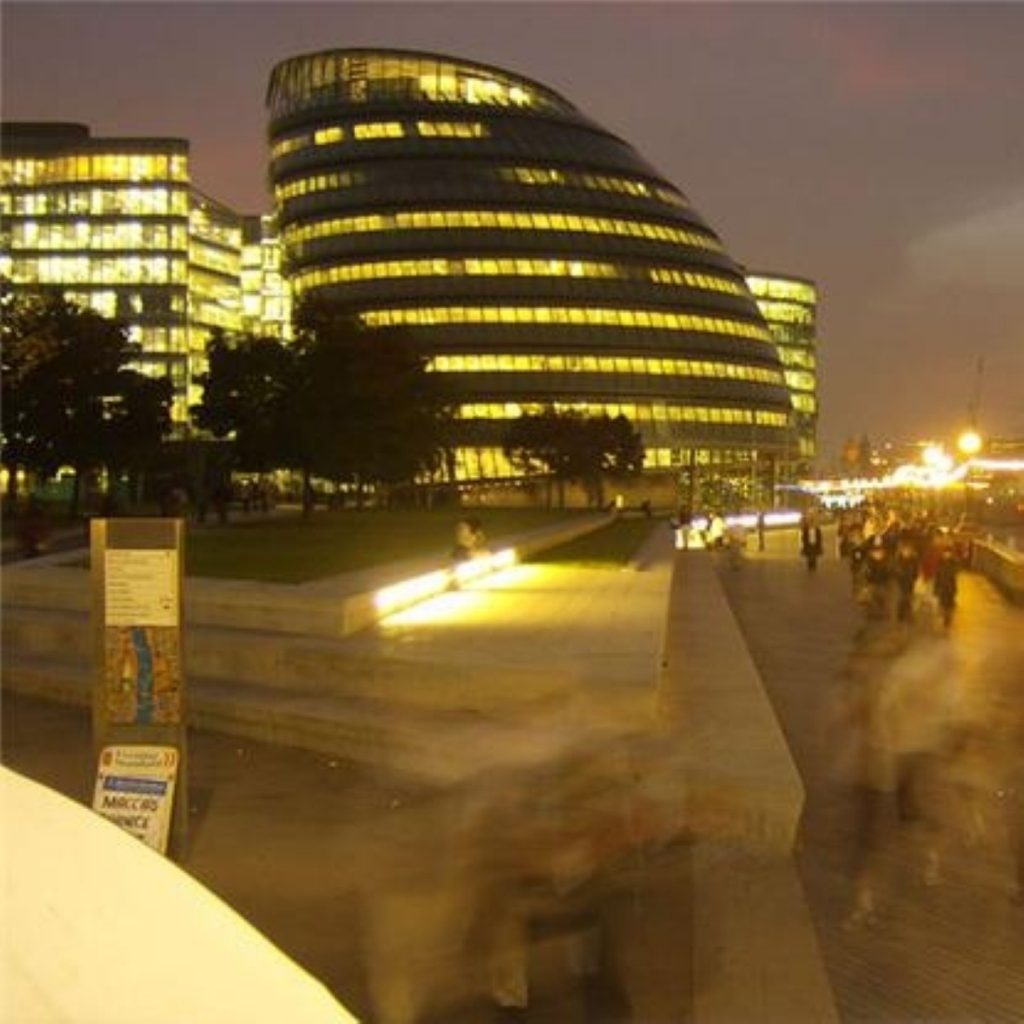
(969, 443)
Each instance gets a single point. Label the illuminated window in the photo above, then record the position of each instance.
(452, 129)
(506, 220)
(328, 136)
(378, 130)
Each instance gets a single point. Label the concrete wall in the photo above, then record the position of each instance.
(1003, 565)
(755, 955)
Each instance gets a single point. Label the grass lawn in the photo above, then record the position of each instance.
(611, 546)
(293, 550)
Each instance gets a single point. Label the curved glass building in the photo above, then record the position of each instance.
(534, 255)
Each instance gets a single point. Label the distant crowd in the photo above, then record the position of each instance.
(900, 562)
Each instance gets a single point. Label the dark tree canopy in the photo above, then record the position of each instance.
(340, 402)
(375, 414)
(69, 397)
(246, 395)
(570, 447)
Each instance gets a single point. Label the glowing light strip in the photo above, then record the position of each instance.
(909, 475)
(780, 517)
(998, 465)
(420, 588)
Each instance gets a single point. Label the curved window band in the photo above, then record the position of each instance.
(638, 413)
(583, 316)
(551, 362)
(503, 220)
(486, 266)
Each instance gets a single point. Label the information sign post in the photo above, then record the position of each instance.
(139, 705)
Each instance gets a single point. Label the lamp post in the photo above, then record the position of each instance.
(969, 444)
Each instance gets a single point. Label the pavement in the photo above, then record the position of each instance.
(952, 951)
(406, 899)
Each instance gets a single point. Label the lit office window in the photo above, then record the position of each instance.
(503, 220)
(591, 316)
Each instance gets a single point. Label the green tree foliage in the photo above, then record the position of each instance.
(247, 395)
(69, 398)
(371, 413)
(341, 402)
(569, 447)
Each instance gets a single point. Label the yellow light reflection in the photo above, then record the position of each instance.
(431, 585)
(477, 600)
(409, 591)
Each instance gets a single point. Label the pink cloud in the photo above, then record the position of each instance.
(872, 62)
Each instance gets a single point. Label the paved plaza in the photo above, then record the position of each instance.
(952, 951)
(327, 857)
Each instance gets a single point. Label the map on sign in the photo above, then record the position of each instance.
(141, 587)
(142, 675)
(135, 790)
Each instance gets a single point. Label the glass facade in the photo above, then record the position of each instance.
(266, 297)
(535, 257)
(789, 306)
(117, 226)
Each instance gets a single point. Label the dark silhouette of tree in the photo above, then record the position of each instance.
(569, 447)
(371, 413)
(69, 397)
(340, 402)
(248, 396)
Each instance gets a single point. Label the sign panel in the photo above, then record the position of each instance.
(142, 675)
(135, 790)
(141, 587)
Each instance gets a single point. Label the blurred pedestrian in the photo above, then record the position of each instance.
(910, 716)
(875, 596)
(811, 542)
(945, 583)
(905, 569)
(34, 528)
(714, 536)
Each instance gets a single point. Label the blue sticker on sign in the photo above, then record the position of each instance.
(120, 784)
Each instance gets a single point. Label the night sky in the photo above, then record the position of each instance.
(877, 149)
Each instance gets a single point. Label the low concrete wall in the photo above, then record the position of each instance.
(1003, 565)
(324, 608)
(274, 662)
(743, 782)
(755, 955)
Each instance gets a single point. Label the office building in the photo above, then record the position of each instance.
(535, 257)
(789, 306)
(118, 226)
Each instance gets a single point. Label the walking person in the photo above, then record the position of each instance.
(877, 576)
(811, 543)
(945, 584)
(905, 569)
(34, 528)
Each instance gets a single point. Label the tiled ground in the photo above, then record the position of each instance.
(950, 952)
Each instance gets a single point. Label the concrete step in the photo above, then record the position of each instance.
(61, 634)
(436, 744)
(305, 665)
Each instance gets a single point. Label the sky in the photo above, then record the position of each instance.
(877, 149)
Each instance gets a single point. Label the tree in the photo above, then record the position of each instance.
(609, 447)
(69, 397)
(341, 402)
(571, 447)
(371, 413)
(248, 395)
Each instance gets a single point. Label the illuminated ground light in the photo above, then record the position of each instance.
(475, 600)
(421, 588)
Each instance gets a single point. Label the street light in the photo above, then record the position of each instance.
(969, 443)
